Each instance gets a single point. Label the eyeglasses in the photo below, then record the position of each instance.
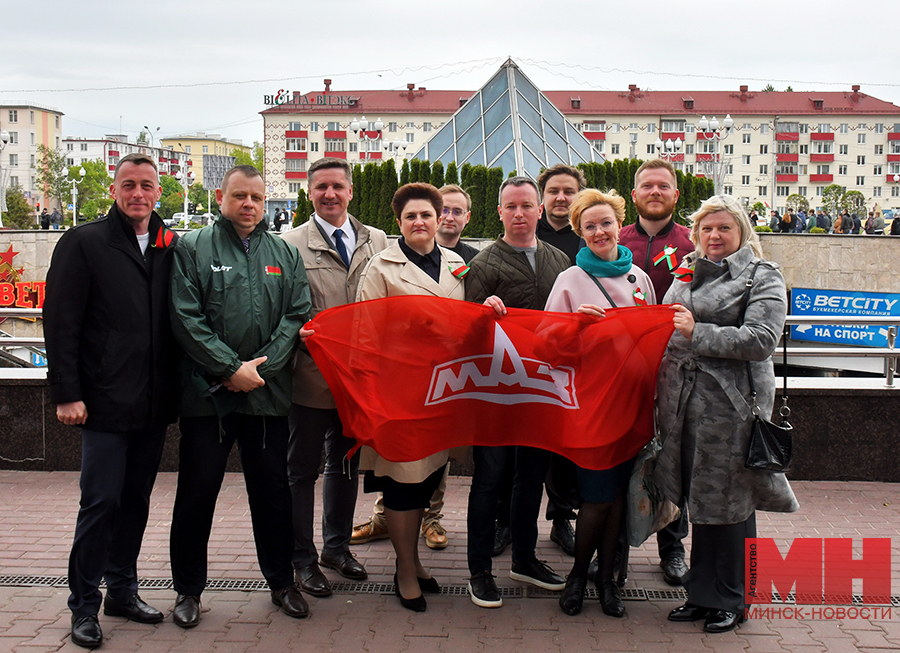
(457, 213)
(592, 228)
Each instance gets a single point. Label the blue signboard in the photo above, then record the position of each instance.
(807, 301)
(37, 360)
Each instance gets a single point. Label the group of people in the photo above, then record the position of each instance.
(143, 327)
(844, 223)
(50, 220)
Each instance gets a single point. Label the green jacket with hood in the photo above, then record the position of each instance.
(230, 306)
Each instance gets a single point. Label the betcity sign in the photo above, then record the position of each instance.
(286, 97)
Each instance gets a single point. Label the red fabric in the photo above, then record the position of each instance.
(397, 369)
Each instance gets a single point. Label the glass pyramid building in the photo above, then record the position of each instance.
(509, 124)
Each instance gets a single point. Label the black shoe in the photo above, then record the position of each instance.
(563, 534)
(86, 631)
(610, 599)
(592, 569)
(688, 612)
(674, 570)
(132, 608)
(418, 604)
(572, 598)
(538, 573)
(345, 564)
(291, 601)
(483, 590)
(312, 581)
(502, 538)
(187, 611)
(721, 621)
(429, 585)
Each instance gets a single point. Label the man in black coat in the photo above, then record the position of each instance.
(111, 369)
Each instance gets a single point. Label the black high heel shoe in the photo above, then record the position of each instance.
(429, 585)
(417, 604)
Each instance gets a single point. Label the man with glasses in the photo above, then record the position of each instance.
(455, 217)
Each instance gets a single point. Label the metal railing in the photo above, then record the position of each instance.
(889, 353)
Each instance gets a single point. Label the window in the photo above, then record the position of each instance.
(879, 149)
(206, 149)
(689, 148)
(894, 168)
(633, 126)
(294, 186)
(673, 125)
(13, 138)
(745, 138)
(876, 191)
(801, 170)
(745, 159)
(651, 127)
(689, 169)
(599, 146)
(84, 147)
(844, 127)
(843, 150)
(823, 169)
(782, 191)
(706, 147)
(187, 149)
(295, 165)
(729, 170)
(314, 126)
(860, 138)
(13, 181)
(651, 148)
(763, 149)
(614, 148)
(32, 138)
(879, 128)
(295, 127)
(410, 125)
(895, 191)
(313, 147)
(729, 149)
(894, 147)
(804, 128)
(820, 191)
(804, 149)
(746, 127)
(860, 180)
(593, 126)
(689, 129)
(861, 160)
(786, 147)
(410, 137)
(787, 168)
(842, 170)
(392, 127)
(32, 161)
(764, 128)
(336, 126)
(70, 147)
(801, 190)
(862, 125)
(822, 147)
(426, 127)
(876, 170)
(354, 147)
(745, 180)
(825, 128)
(13, 160)
(32, 116)
(678, 165)
(762, 191)
(295, 145)
(729, 190)
(334, 145)
(13, 115)
(614, 128)
(764, 169)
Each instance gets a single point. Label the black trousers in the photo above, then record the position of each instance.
(716, 577)
(669, 539)
(117, 475)
(203, 454)
(563, 498)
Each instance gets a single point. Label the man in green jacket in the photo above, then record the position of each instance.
(239, 298)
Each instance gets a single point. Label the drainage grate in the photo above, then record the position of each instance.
(233, 584)
(31, 581)
(666, 595)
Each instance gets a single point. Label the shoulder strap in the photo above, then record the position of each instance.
(602, 289)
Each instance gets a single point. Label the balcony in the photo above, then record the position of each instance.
(821, 179)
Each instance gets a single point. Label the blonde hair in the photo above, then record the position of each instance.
(592, 197)
(726, 203)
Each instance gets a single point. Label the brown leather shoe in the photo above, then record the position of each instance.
(435, 535)
(345, 564)
(291, 602)
(312, 581)
(187, 611)
(374, 529)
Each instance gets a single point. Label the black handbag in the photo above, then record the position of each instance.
(771, 445)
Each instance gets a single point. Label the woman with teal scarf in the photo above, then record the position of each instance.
(604, 277)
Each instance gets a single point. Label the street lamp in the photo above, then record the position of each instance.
(716, 166)
(669, 149)
(4, 139)
(186, 181)
(360, 128)
(396, 150)
(150, 134)
(75, 182)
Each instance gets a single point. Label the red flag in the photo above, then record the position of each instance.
(415, 375)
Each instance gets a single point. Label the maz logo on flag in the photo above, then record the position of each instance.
(483, 377)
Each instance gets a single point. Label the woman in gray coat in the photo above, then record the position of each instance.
(703, 407)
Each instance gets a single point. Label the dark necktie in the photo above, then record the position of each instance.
(340, 247)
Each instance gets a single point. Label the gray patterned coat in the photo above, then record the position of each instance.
(703, 408)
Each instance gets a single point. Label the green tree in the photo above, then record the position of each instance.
(18, 213)
(833, 199)
(256, 157)
(797, 202)
(51, 174)
(93, 191)
(855, 202)
(452, 175)
(389, 186)
(760, 209)
(353, 206)
(414, 166)
(492, 227)
(437, 174)
(476, 189)
(424, 172)
(404, 172)
(768, 88)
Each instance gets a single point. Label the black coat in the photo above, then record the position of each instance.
(106, 325)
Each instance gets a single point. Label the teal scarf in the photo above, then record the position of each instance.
(596, 266)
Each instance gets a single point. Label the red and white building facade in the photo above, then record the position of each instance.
(112, 147)
(782, 143)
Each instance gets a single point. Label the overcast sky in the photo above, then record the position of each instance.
(187, 66)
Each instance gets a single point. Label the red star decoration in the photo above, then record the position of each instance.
(7, 256)
(20, 271)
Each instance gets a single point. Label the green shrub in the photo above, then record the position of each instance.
(817, 230)
(763, 229)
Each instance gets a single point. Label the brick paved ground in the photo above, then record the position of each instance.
(37, 516)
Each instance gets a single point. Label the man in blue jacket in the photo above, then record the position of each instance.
(239, 298)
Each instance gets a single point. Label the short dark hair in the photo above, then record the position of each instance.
(419, 191)
(328, 162)
(520, 180)
(453, 188)
(247, 170)
(138, 159)
(654, 164)
(561, 169)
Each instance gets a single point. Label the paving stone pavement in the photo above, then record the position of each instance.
(37, 519)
